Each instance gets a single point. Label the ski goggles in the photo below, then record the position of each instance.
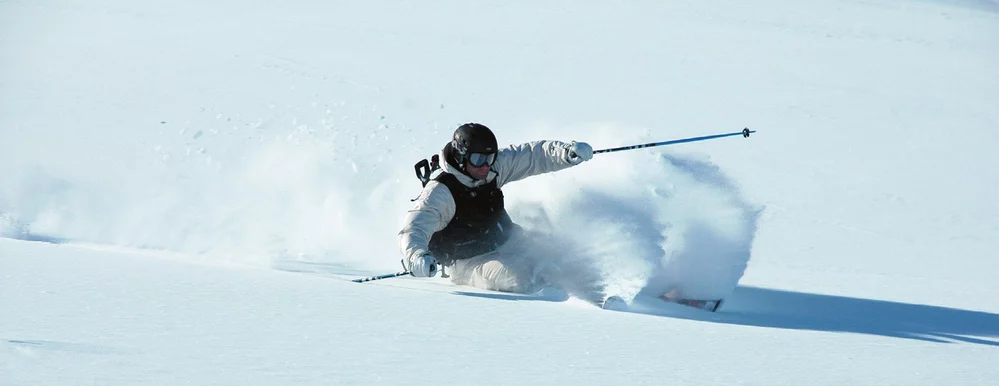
(479, 159)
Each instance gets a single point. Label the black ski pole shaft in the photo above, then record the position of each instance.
(745, 133)
(379, 277)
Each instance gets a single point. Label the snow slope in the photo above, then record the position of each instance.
(184, 188)
(79, 316)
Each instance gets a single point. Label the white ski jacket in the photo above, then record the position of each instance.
(435, 207)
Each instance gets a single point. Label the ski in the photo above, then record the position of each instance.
(703, 304)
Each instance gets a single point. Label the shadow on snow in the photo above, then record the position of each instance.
(761, 307)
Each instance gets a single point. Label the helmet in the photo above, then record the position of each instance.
(475, 143)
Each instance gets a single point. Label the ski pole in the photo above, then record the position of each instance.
(745, 133)
(379, 277)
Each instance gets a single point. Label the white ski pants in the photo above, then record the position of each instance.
(513, 267)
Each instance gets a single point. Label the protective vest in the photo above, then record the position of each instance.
(480, 222)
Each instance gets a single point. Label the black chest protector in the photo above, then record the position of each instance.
(480, 222)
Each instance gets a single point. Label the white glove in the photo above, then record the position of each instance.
(423, 266)
(579, 152)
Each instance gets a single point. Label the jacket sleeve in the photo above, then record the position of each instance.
(517, 162)
(433, 211)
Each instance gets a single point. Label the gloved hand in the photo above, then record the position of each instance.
(579, 152)
(423, 266)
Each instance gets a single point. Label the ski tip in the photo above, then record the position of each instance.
(711, 305)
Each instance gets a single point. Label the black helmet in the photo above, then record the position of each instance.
(474, 138)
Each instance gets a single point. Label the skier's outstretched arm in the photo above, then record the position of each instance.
(517, 162)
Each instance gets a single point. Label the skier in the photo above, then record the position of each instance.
(459, 221)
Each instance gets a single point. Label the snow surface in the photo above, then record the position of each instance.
(186, 188)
